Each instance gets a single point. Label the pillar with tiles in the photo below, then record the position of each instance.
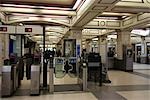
(102, 48)
(143, 50)
(123, 47)
(76, 33)
(4, 48)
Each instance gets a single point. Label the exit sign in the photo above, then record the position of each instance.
(3, 29)
(28, 29)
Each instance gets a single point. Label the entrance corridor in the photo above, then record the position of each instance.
(124, 86)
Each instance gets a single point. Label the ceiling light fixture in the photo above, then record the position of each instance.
(77, 4)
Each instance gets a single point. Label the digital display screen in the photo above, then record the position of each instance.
(28, 29)
(4, 29)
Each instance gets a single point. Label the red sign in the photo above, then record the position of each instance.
(28, 29)
(3, 29)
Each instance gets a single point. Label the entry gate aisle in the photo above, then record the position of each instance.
(66, 74)
(12, 75)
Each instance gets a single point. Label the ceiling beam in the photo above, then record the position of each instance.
(136, 21)
(90, 9)
(37, 11)
(132, 4)
(3, 17)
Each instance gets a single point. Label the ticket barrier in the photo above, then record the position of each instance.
(35, 80)
(94, 68)
(9, 80)
(82, 78)
(58, 64)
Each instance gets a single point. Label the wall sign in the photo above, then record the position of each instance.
(78, 50)
(28, 29)
(3, 29)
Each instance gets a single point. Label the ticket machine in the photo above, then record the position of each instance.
(128, 58)
(148, 53)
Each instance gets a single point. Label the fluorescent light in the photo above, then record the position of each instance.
(131, 0)
(124, 16)
(13, 5)
(95, 39)
(29, 6)
(148, 25)
(131, 4)
(141, 32)
(112, 36)
(116, 14)
(38, 11)
(77, 4)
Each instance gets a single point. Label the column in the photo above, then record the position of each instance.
(4, 48)
(123, 38)
(1, 54)
(143, 50)
(102, 47)
(44, 62)
(76, 33)
(124, 60)
(87, 45)
(18, 45)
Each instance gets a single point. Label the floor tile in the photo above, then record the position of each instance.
(136, 95)
(61, 96)
(125, 78)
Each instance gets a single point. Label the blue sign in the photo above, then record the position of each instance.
(78, 50)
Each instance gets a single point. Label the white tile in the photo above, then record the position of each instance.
(143, 71)
(125, 78)
(136, 95)
(141, 66)
(71, 96)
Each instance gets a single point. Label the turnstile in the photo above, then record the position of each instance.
(7, 80)
(94, 67)
(60, 72)
(82, 77)
(35, 80)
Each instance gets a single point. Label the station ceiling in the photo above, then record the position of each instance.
(48, 3)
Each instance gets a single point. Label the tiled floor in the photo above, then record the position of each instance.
(136, 95)
(131, 86)
(124, 78)
(58, 81)
(147, 72)
(58, 96)
(141, 66)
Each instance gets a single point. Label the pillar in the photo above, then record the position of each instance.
(1, 55)
(76, 33)
(44, 62)
(102, 48)
(124, 61)
(18, 46)
(123, 38)
(87, 45)
(143, 51)
(4, 48)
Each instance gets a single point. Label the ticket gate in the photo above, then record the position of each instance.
(94, 68)
(35, 80)
(58, 69)
(9, 80)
